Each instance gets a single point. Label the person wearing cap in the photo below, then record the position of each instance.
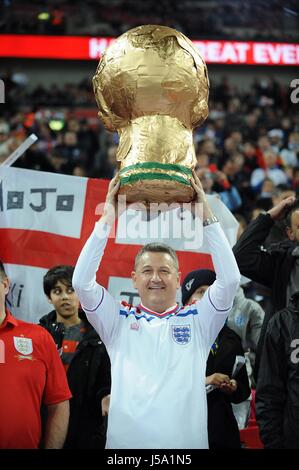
(158, 349)
(222, 389)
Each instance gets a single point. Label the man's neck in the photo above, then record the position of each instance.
(2, 315)
(159, 309)
(71, 321)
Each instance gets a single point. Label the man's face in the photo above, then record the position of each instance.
(156, 278)
(64, 299)
(4, 288)
(197, 294)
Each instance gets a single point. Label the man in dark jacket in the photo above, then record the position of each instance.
(277, 266)
(84, 357)
(277, 404)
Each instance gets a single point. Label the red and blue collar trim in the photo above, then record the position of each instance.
(172, 311)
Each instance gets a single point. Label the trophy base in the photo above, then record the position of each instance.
(157, 191)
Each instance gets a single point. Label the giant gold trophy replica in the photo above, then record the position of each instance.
(152, 87)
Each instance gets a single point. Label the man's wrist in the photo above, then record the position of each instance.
(108, 218)
(102, 228)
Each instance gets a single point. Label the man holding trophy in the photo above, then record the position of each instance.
(152, 87)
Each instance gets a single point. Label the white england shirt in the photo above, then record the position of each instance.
(158, 360)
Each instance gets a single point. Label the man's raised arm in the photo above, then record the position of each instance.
(218, 299)
(223, 291)
(97, 303)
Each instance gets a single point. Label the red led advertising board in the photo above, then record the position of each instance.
(91, 48)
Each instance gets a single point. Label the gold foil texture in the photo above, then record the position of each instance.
(151, 85)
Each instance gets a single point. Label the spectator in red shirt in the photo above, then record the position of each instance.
(31, 374)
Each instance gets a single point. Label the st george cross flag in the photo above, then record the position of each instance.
(46, 218)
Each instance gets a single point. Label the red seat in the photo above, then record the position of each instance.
(250, 437)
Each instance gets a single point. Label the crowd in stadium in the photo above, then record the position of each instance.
(247, 150)
(232, 19)
(247, 153)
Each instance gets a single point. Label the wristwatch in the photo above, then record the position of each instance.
(210, 220)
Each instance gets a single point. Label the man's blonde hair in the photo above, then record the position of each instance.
(157, 248)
